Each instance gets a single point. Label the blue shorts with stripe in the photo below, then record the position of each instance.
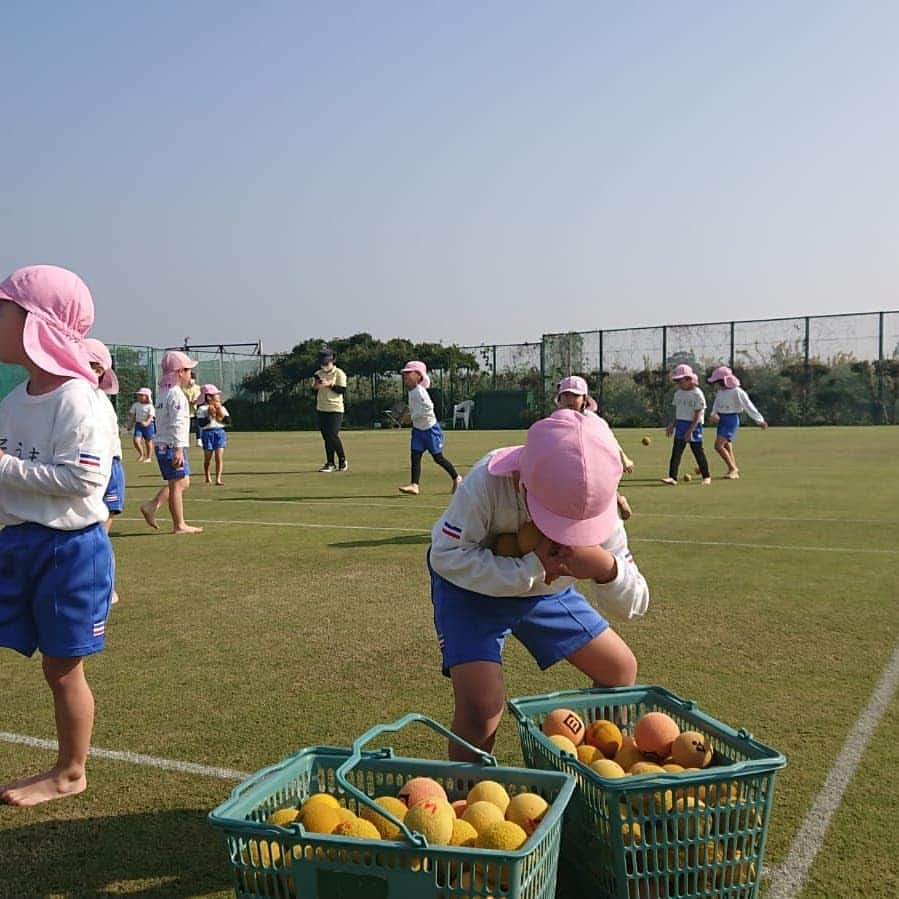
(681, 426)
(114, 497)
(472, 627)
(55, 589)
(165, 460)
(213, 438)
(427, 441)
(148, 431)
(728, 425)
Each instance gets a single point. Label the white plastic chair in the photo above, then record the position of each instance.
(462, 413)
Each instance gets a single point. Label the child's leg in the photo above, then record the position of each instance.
(479, 693)
(701, 461)
(177, 486)
(151, 507)
(115, 596)
(412, 486)
(138, 443)
(446, 465)
(677, 450)
(73, 705)
(733, 459)
(149, 455)
(207, 459)
(607, 660)
(219, 465)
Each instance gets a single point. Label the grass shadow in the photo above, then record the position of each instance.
(412, 540)
(148, 855)
(300, 499)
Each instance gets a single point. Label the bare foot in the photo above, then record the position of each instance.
(207, 481)
(145, 460)
(148, 510)
(41, 788)
(115, 598)
(410, 489)
(188, 529)
(219, 483)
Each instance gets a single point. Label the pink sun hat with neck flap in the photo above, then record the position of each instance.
(172, 362)
(421, 368)
(682, 371)
(731, 381)
(60, 312)
(145, 391)
(98, 352)
(571, 467)
(572, 384)
(719, 374)
(207, 389)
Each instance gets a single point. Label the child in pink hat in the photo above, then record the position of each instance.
(689, 412)
(572, 393)
(172, 441)
(142, 424)
(427, 435)
(212, 418)
(55, 556)
(730, 401)
(558, 492)
(108, 385)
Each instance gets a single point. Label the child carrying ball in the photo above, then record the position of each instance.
(212, 417)
(55, 557)
(564, 480)
(142, 423)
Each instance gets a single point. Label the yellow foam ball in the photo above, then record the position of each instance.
(605, 735)
(386, 828)
(480, 815)
(527, 811)
(319, 818)
(588, 754)
(528, 537)
(357, 828)
(464, 833)
(504, 836)
(433, 819)
(489, 791)
(646, 441)
(506, 545)
(324, 798)
(687, 477)
(628, 756)
(283, 816)
(691, 749)
(608, 768)
(564, 744)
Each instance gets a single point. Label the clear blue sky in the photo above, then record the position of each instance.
(451, 171)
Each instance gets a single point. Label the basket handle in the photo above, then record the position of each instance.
(355, 756)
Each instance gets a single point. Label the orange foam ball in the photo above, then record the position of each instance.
(654, 732)
(565, 723)
(418, 788)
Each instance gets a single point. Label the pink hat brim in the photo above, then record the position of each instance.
(574, 532)
(109, 383)
(506, 460)
(55, 353)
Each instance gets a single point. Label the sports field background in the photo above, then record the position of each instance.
(301, 617)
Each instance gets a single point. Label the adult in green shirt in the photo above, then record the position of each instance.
(329, 384)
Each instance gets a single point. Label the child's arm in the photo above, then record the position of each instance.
(697, 419)
(750, 409)
(457, 553)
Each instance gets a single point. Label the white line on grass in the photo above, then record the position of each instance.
(788, 878)
(368, 527)
(135, 758)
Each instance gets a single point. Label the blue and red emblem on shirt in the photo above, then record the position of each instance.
(452, 531)
(89, 459)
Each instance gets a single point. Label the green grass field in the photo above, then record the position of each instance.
(301, 617)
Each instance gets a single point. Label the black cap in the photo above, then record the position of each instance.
(326, 353)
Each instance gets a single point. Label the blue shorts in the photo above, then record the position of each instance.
(472, 627)
(164, 456)
(728, 425)
(55, 589)
(213, 438)
(148, 432)
(681, 426)
(430, 441)
(114, 497)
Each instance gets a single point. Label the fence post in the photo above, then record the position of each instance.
(664, 347)
(601, 378)
(880, 370)
(730, 361)
(494, 366)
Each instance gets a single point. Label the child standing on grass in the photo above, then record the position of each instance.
(212, 417)
(730, 401)
(427, 435)
(172, 441)
(564, 479)
(55, 556)
(572, 393)
(108, 385)
(689, 411)
(142, 423)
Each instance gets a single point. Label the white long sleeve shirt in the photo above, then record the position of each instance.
(421, 407)
(486, 505)
(173, 418)
(112, 422)
(735, 399)
(57, 457)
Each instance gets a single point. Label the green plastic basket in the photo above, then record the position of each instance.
(625, 838)
(291, 863)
